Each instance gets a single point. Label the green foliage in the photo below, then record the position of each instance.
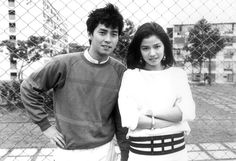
(124, 40)
(11, 99)
(35, 41)
(10, 94)
(203, 42)
(27, 51)
(74, 47)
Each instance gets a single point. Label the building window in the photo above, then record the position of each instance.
(229, 77)
(229, 54)
(13, 66)
(229, 41)
(176, 52)
(179, 40)
(213, 65)
(12, 14)
(13, 75)
(228, 66)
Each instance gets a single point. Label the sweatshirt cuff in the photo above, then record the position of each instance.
(44, 124)
(124, 155)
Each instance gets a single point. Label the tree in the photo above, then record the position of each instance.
(124, 40)
(74, 47)
(122, 46)
(27, 51)
(204, 42)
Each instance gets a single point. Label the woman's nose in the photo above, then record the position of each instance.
(152, 52)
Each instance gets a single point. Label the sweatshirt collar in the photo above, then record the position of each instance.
(92, 60)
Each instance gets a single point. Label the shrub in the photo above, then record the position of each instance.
(11, 99)
(10, 95)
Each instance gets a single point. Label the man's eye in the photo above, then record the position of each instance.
(102, 33)
(114, 34)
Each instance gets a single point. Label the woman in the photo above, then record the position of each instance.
(155, 99)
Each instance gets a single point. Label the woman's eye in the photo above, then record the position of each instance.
(144, 49)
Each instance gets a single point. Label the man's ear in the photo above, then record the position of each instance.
(90, 35)
(90, 38)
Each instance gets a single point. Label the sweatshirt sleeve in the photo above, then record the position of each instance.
(51, 76)
(127, 104)
(121, 133)
(186, 102)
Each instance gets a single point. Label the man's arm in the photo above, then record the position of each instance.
(33, 102)
(50, 76)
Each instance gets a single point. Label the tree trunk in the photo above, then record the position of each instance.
(209, 71)
(200, 66)
(20, 73)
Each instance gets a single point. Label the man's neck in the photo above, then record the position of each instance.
(98, 57)
(93, 59)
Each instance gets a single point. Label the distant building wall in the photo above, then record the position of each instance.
(223, 65)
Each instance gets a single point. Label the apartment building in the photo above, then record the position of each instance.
(37, 18)
(54, 28)
(223, 65)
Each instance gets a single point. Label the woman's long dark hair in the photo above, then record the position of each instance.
(134, 56)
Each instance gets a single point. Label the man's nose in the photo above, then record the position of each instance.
(108, 38)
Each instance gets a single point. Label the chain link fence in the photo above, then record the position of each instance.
(203, 36)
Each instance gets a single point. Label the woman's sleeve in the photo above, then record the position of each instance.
(185, 102)
(127, 102)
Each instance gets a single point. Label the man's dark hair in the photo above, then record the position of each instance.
(108, 16)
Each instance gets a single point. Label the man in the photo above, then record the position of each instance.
(85, 87)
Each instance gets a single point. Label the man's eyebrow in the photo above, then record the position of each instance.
(113, 30)
(103, 29)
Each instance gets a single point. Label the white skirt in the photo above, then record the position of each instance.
(177, 156)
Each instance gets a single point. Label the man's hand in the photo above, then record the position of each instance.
(55, 136)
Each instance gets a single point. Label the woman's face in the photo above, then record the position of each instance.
(152, 50)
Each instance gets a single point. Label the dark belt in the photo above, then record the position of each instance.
(151, 148)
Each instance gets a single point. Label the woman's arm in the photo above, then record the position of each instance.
(173, 114)
(146, 122)
(183, 108)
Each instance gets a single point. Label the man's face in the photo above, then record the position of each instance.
(103, 41)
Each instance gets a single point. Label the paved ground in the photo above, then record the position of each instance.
(213, 135)
(196, 152)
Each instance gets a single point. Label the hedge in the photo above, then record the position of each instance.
(10, 98)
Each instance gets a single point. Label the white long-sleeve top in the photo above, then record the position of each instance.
(143, 90)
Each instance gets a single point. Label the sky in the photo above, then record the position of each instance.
(74, 12)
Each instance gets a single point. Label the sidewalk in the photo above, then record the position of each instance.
(212, 151)
(196, 152)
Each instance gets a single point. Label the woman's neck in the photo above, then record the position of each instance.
(154, 68)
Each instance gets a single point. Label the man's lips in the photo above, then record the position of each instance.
(106, 46)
